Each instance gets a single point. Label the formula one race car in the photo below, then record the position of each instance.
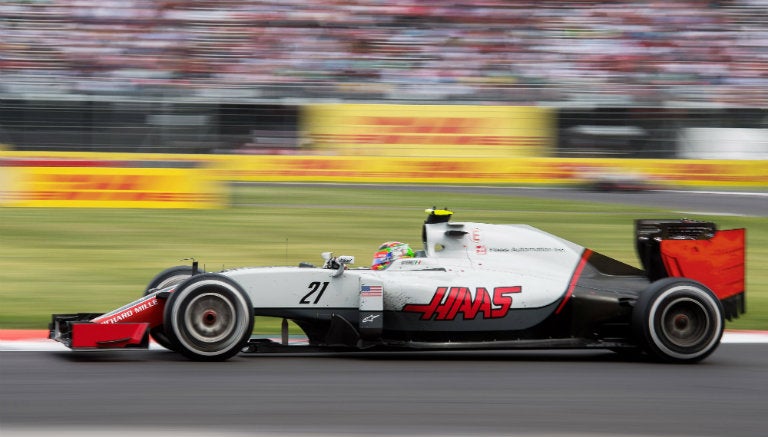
(473, 286)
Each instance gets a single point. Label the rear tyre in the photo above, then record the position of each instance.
(166, 278)
(678, 320)
(209, 317)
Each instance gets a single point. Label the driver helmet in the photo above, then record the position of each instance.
(389, 252)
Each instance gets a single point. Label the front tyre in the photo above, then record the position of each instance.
(678, 320)
(209, 317)
(166, 278)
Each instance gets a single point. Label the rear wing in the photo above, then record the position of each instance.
(696, 250)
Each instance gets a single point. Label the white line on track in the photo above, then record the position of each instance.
(44, 345)
(117, 431)
(733, 193)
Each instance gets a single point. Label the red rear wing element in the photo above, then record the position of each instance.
(717, 262)
(696, 250)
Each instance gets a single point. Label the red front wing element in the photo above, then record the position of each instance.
(118, 335)
(127, 326)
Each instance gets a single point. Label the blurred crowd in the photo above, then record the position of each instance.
(495, 51)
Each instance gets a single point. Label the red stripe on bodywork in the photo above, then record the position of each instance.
(574, 279)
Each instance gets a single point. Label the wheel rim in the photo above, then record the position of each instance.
(210, 318)
(685, 322)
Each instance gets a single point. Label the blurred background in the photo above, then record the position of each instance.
(610, 79)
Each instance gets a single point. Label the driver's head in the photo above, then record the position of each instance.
(388, 252)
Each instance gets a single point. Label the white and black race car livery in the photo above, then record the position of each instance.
(473, 286)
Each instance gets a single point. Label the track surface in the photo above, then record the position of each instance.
(500, 393)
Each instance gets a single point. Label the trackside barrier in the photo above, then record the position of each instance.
(548, 171)
(199, 181)
(108, 180)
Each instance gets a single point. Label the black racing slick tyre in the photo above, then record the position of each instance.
(678, 320)
(166, 278)
(170, 276)
(209, 317)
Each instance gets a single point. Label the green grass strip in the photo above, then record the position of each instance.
(94, 260)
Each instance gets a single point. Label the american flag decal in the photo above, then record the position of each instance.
(371, 290)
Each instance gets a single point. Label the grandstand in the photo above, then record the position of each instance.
(565, 53)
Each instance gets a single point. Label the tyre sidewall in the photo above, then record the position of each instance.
(166, 278)
(169, 277)
(176, 325)
(648, 322)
